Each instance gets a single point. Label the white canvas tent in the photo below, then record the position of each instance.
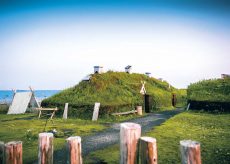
(22, 101)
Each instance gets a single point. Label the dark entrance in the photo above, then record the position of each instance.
(174, 99)
(147, 103)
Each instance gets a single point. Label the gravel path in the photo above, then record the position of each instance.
(110, 136)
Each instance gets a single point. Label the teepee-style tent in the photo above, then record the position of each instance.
(22, 102)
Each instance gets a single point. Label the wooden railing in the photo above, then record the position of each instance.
(133, 149)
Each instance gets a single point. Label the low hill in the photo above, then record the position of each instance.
(210, 94)
(116, 91)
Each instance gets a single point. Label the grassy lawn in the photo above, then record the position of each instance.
(211, 130)
(26, 128)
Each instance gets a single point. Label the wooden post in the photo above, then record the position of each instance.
(139, 110)
(2, 152)
(188, 106)
(129, 136)
(74, 150)
(65, 114)
(45, 149)
(13, 152)
(190, 152)
(96, 111)
(148, 150)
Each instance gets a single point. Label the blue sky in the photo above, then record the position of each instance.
(54, 44)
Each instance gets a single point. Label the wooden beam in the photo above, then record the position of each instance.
(124, 113)
(129, 136)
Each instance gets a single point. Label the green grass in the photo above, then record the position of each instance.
(215, 90)
(114, 90)
(26, 128)
(211, 130)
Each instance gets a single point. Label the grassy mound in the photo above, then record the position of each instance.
(210, 94)
(115, 90)
(217, 90)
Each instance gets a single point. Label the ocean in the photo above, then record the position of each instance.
(7, 95)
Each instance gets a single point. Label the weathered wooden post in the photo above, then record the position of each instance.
(45, 149)
(129, 136)
(65, 114)
(96, 111)
(13, 152)
(190, 152)
(74, 150)
(148, 150)
(139, 110)
(2, 152)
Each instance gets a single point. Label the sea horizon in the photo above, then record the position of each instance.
(6, 96)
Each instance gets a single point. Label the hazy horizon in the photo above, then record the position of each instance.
(54, 45)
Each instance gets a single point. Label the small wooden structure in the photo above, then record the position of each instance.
(161, 79)
(143, 91)
(128, 69)
(45, 110)
(98, 69)
(22, 102)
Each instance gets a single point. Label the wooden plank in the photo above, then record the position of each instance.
(13, 152)
(45, 148)
(48, 109)
(51, 117)
(74, 150)
(190, 152)
(188, 106)
(148, 150)
(65, 113)
(96, 111)
(124, 113)
(129, 136)
(2, 152)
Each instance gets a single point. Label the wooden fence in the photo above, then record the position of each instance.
(133, 149)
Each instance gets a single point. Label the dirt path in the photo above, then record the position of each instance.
(110, 136)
